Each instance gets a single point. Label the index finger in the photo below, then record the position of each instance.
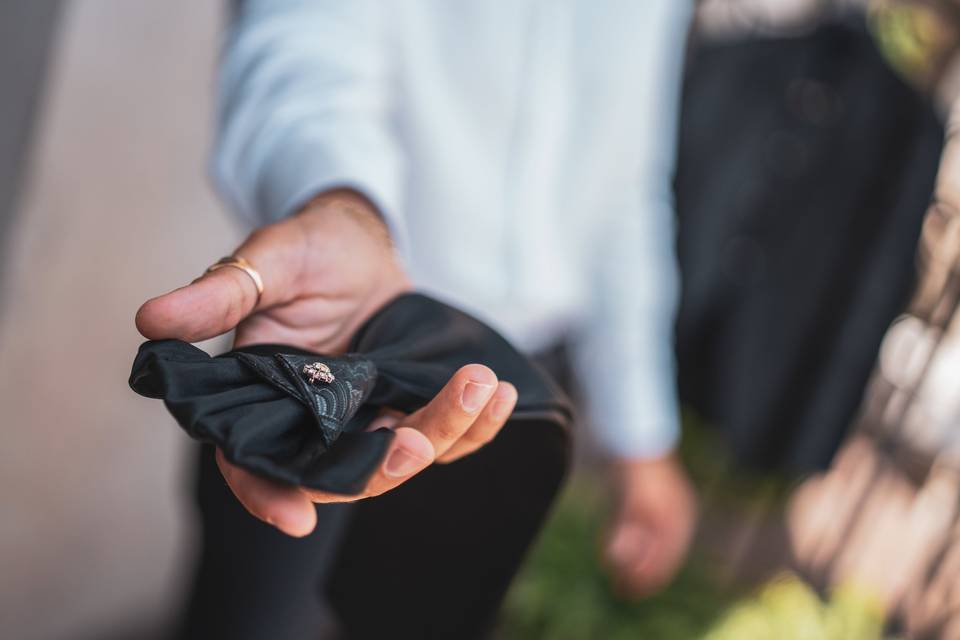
(424, 435)
(454, 410)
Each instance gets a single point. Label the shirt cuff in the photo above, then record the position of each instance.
(300, 167)
(632, 405)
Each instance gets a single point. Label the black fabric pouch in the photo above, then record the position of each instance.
(275, 410)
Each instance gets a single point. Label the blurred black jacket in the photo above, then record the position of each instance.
(805, 168)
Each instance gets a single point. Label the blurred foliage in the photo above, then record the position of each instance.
(563, 592)
(787, 609)
(914, 37)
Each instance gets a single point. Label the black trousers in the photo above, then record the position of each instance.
(431, 559)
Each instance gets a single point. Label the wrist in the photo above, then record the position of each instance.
(345, 206)
(341, 199)
(626, 464)
(640, 472)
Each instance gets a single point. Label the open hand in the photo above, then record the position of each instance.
(325, 271)
(653, 526)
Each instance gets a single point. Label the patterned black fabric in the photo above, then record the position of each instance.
(260, 407)
(333, 403)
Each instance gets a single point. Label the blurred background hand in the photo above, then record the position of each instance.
(653, 525)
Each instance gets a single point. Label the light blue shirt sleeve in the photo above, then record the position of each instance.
(304, 102)
(308, 102)
(625, 353)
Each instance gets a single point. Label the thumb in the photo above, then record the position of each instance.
(217, 301)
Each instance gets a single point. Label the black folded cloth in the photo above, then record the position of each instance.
(276, 411)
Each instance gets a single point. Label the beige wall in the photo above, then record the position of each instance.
(94, 527)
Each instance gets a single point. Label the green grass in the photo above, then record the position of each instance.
(563, 593)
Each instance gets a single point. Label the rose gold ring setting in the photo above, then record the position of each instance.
(238, 262)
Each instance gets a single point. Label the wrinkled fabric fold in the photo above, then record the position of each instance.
(261, 407)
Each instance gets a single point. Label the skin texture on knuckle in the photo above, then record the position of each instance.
(479, 437)
(448, 429)
(444, 416)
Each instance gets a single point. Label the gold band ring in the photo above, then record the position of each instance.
(238, 262)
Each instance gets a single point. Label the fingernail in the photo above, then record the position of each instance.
(475, 395)
(401, 463)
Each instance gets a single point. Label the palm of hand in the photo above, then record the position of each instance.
(325, 271)
(338, 274)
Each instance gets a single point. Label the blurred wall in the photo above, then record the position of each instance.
(95, 530)
(26, 26)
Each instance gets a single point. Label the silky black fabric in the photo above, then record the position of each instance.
(431, 559)
(805, 168)
(250, 581)
(260, 408)
(434, 557)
